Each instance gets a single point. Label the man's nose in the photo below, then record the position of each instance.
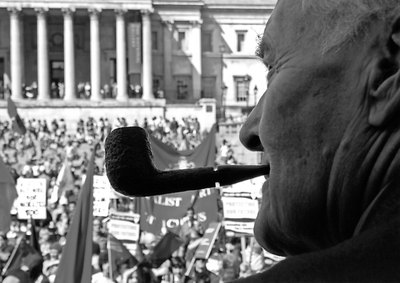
(249, 133)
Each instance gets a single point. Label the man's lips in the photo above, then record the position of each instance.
(265, 186)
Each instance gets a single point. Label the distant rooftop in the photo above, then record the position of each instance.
(221, 2)
(240, 2)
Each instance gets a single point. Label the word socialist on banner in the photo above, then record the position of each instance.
(32, 196)
(101, 196)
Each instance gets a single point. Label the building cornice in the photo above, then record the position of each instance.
(178, 3)
(78, 4)
(246, 6)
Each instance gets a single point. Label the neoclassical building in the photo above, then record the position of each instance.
(176, 51)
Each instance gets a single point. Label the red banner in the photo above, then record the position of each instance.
(167, 211)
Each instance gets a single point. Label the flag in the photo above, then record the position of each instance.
(76, 259)
(165, 248)
(22, 252)
(118, 253)
(33, 237)
(8, 194)
(157, 210)
(17, 123)
(64, 182)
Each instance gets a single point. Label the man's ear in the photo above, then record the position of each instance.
(385, 92)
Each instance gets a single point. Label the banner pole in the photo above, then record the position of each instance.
(251, 250)
(9, 261)
(243, 246)
(110, 263)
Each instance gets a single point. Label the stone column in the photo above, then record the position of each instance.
(147, 55)
(42, 55)
(95, 54)
(15, 53)
(195, 43)
(168, 80)
(69, 55)
(122, 94)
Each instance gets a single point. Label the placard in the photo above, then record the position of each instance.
(208, 239)
(124, 225)
(32, 196)
(240, 214)
(239, 227)
(239, 208)
(101, 196)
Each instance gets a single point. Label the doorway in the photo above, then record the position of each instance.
(57, 78)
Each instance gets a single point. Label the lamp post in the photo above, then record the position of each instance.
(255, 92)
(223, 98)
(247, 80)
(223, 86)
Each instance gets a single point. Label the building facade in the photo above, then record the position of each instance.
(178, 51)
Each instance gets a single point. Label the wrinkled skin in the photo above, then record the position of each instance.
(324, 132)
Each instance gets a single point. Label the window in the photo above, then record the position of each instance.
(241, 89)
(206, 41)
(208, 84)
(154, 40)
(240, 37)
(182, 40)
(183, 87)
(158, 90)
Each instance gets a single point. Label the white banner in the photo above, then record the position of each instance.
(101, 196)
(124, 225)
(249, 188)
(32, 196)
(239, 227)
(239, 208)
(124, 230)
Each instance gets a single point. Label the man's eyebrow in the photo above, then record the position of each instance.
(261, 47)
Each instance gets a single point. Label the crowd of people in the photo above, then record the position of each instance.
(83, 90)
(41, 152)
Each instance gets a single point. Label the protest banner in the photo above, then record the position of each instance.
(240, 206)
(167, 211)
(207, 242)
(205, 246)
(32, 196)
(101, 196)
(124, 226)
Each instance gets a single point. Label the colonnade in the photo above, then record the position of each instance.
(16, 57)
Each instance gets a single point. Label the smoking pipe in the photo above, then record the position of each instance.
(131, 170)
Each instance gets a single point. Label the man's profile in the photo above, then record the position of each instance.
(329, 128)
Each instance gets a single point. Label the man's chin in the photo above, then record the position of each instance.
(283, 225)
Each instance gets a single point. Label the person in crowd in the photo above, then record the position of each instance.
(106, 91)
(201, 274)
(230, 264)
(253, 260)
(5, 250)
(328, 127)
(29, 271)
(140, 273)
(191, 227)
(176, 272)
(103, 276)
(98, 236)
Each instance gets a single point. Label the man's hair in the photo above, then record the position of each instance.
(347, 20)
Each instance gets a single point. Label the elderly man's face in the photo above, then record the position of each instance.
(298, 124)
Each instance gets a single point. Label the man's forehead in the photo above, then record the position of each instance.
(287, 20)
